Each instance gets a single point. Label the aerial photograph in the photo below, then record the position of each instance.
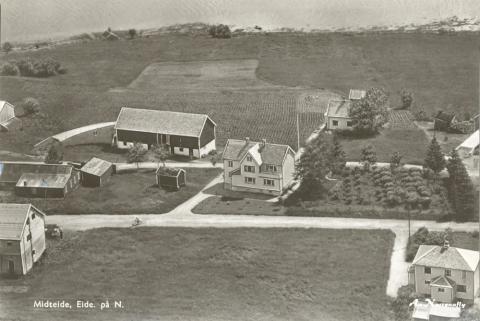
(221, 160)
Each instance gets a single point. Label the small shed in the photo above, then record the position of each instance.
(443, 121)
(96, 172)
(171, 178)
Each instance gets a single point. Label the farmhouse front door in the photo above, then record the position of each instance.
(190, 152)
(11, 267)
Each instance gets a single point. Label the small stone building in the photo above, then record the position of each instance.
(96, 172)
(171, 178)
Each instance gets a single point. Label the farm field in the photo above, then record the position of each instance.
(104, 76)
(211, 274)
(125, 193)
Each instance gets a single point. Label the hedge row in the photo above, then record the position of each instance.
(28, 67)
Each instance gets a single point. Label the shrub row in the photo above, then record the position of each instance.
(28, 67)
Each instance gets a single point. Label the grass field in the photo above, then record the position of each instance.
(211, 274)
(124, 193)
(102, 77)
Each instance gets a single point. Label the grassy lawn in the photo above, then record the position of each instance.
(124, 193)
(439, 69)
(465, 240)
(411, 143)
(211, 274)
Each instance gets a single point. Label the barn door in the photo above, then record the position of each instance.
(11, 267)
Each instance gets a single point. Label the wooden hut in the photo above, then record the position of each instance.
(171, 178)
(96, 172)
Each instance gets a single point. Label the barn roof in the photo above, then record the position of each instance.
(96, 166)
(338, 108)
(162, 122)
(356, 94)
(12, 219)
(10, 172)
(269, 154)
(43, 180)
(449, 258)
(471, 142)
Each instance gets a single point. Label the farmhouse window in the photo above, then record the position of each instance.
(441, 290)
(349, 123)
(448, 272)
(230, 163)
(9, 243)
(461, 288)
(95, 132)
(180, 149)
(427, 281)
(124, 143)
(428, 270)
(464, 275)
(33, 216)
(268, 182)
(271, 168)
(33, 252)
(249, 169)
(249, 158)
(335, 122)
(249, 180)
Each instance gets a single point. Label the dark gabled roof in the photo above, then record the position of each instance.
(442, 115)
(96, 166)
(269, 154)
(451, 258)
(12, 219)
(162, 122)
(10, 172)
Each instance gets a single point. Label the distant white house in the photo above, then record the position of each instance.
(356, 94)
(7, 115)
(337, 115)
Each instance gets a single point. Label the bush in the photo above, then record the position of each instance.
(406, 294)
(220, 31)
(39, 68)
(30, 106)
(9, 69)
(423, 236)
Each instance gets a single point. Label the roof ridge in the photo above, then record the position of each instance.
(426, 252)
(164, 111)
(257, 142)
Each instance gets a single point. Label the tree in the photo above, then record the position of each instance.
(369, 113)
(407, 99)
(220, 31)
(161, 153)
(396, 160)
(368, 157)
(7, 47)
(339, 159)
(460, 188)
(54, 154)
(434, 158)
(214, 157)
(136, 153)
(313, 166)
(132, 33)
(9, 69)
(30, 106)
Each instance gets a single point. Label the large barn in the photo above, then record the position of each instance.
(22, 237)
(185, 134)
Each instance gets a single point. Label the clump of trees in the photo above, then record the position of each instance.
(54, 154)
(369, 114)
(7, 47)
(460, 188)
(220, 31)
(28, 67)
(136, 153)
(30, 106)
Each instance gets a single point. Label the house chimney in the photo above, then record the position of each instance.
(247, 140)
(24, 183)
(446, 244)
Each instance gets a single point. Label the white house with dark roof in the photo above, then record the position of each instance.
(22, 237)
(445, 273)
(258, 167)
(337, 115)
(185, 134)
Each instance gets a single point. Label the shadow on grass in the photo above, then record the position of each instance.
(226, 195)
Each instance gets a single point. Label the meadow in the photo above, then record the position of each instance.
(211, 274)
(440, 69)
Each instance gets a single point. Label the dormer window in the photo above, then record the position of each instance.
(249, 158)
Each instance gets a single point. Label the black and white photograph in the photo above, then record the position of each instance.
(251, 160)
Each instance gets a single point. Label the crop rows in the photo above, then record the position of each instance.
(401, 119)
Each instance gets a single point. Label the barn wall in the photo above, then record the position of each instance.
(90, 180)
(37, 228)
(208, 133)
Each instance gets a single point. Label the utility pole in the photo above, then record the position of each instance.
(0, 25)
(298, 133)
